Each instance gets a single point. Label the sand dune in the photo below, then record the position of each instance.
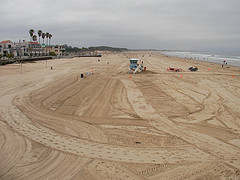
(154, 125)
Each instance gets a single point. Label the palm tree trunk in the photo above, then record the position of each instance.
(39, 46)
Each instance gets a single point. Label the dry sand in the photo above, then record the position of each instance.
(154, 125)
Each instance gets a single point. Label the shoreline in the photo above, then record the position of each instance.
(206, 63)
(219, 59)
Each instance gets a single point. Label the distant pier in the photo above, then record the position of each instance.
(89, 55)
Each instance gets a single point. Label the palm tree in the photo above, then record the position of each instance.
(34, 39)
(47, 36)
(39, 34)
(43, 36)
(31, 31)
(50, 37)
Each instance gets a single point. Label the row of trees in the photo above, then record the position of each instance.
(41, 35)
(92, 49)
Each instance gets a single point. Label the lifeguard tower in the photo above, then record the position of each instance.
(136, 65)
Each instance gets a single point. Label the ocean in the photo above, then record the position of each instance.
(216, 57)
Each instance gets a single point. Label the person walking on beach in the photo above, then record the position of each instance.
(224, 63)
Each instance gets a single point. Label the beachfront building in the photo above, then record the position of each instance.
(24, 48)
(28, 48)
(34, 49)
(7, 47)
(47, 49)
(58, 50)
(20, 49)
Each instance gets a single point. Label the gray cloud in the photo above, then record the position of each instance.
(159, 24)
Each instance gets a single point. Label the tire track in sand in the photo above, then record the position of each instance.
(226, 152)
(18, 121)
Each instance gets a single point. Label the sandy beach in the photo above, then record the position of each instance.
(110, 125)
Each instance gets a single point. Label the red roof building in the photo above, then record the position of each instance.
(6, 41)
(6, 47)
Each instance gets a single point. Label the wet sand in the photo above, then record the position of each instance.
(155, 125)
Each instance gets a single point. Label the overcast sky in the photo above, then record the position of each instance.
(159, 24)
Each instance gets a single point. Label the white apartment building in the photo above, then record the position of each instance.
(59, 50)
(7, 47)
(29, 48)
